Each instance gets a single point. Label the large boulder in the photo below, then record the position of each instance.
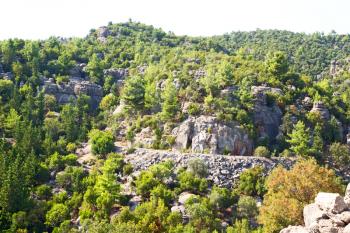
(331, 202)
(207, 134)
(312, 213)
(346, 229)
(294, 229)
(347, 195)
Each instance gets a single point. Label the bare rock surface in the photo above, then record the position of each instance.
(329, 214)
(207, 134)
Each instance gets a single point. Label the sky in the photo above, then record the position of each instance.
(40, 19)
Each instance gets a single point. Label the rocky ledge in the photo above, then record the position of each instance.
(223, 170)
(330, 213)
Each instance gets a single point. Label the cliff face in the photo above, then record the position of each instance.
(206, 133)
(330, 213)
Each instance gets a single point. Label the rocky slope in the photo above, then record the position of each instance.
(223, 170)
(330, 213)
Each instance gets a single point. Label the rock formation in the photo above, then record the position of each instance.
(64, 92)
(267, 119)
(330, 213)
(207, 134)
(320, 108)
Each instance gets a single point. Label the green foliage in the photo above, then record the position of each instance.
(340, 154)
(102, 142)
(57, 214)
(300, 139)
(262, 151)
(134, 92)
(252, 182)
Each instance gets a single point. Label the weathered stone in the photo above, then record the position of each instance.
(326, 226)
(117, 74)
(65, 92)
(267, 119)
(312, 213)
(294, 229)
(78, 70)
(207, 134)
(344, 217)
(321, 109)
(347, 195)
(346, 229)
(330, 202)
(183, 197)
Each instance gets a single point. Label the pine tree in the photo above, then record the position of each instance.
(171, 103)
(134, 92)
(299, 139)
(317, 144)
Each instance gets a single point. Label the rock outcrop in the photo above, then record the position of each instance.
(321, 109)
(64, 92)
(223, 170)
(207, 134)
(329, 214)
(267, 118)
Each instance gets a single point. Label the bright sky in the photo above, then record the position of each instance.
(39, 19)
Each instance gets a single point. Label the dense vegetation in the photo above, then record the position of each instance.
(43, 187)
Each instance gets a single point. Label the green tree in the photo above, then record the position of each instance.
(102, 142)
(133, 92)
(170, 104)
(300, 139)
(57, 214)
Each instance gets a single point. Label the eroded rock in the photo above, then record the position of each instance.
(207, 134)
(330, 202)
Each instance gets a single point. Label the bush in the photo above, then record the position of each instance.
(251, 182)
(262, 151)
(57, 214)
(247, 208)
(194, 109)
(340, 154)
(198, 168)
(102, 142)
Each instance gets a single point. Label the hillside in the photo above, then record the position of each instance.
(132, 129)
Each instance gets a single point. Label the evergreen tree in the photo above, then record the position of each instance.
(170, 104)
(300, 139)
(134, 92)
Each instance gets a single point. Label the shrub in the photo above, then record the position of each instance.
(262, 151)
(102, 142)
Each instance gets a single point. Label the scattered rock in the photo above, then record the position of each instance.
(223, 170)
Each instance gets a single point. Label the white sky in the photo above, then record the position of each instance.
(39, 19)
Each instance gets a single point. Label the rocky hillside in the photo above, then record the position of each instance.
(330, 213)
